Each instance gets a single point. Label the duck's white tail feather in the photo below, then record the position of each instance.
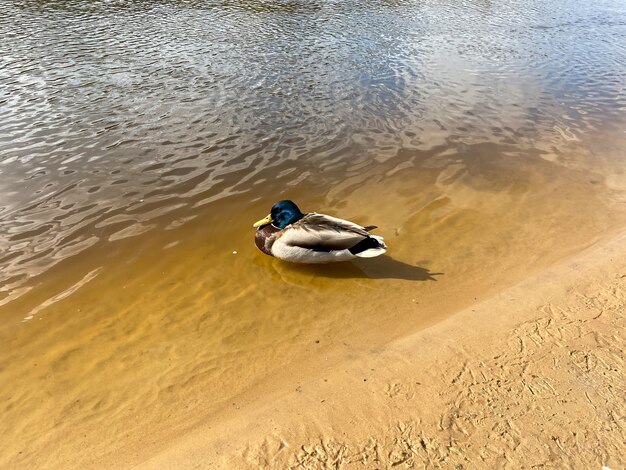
(373, 252)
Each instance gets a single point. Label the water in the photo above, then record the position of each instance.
(140, 140)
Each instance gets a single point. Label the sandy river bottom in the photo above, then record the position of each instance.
(188, 331)
(532, 377)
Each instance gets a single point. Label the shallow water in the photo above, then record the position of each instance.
(140, 140)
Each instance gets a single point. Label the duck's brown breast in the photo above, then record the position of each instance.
(264, 238)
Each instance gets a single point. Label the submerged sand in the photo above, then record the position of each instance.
(533, 377)
(187, 348)
(113, 355)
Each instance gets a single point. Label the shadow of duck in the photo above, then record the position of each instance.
(382, 267)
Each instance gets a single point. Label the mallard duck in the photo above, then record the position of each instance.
(291, 235)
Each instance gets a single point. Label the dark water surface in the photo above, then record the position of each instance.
(140, 140)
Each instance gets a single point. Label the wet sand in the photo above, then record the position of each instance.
(533, 376)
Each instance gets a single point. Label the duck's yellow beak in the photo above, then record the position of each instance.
(265, 221)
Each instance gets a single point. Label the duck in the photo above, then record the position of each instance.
(312, 238)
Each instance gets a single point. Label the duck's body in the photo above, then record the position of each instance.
(290, 235)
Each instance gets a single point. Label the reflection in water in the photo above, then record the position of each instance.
(140, 140)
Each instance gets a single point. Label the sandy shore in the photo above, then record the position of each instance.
(531, 378)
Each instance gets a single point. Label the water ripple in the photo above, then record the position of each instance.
(118, 117)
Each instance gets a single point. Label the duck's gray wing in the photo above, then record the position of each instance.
(322, 232)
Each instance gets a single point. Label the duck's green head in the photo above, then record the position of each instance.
(282, 214)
